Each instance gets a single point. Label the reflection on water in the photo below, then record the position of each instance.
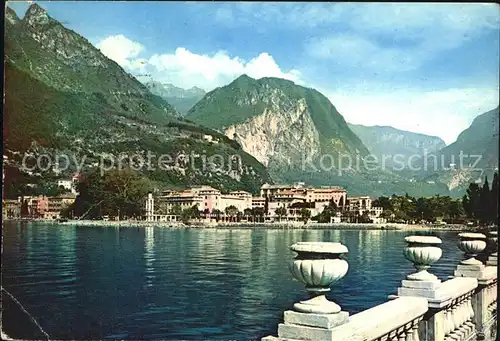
(191, 284)
(149, 255)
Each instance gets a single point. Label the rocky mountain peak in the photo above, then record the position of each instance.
(11, 15)
(196, 91)
(36, 15)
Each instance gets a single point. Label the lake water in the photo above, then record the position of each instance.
(185, 284)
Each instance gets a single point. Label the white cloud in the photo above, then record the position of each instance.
(186, 69)
(375, 18)
(419, 30)
(225, 15)
(357, 52)
(443, 113)
(420, 19)
(122, 50)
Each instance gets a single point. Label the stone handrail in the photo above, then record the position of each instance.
(394, 320)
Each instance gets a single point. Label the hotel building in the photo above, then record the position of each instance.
(206, 198)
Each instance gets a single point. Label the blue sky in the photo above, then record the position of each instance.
(428, 68)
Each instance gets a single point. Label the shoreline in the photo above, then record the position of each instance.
(258, 226)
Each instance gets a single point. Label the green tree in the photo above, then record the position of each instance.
(383, 202)
(305, 214)
(123, 192)
(162, 208)
(484, 203)
(231, 211)
(281, 212)
(258, 213)
(341, 202)
(248, 213)
(455, 211)
(471, 205)
(24, 209)
(328, 212)
(387, 214)
(493, 206)
(217, 213)
(364, 218)
(176, 210)
(119, 192)
(190, 213)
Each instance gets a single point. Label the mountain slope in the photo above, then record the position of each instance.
(181, 99)
(277, 121)
(389, 141)
(63, 96)
(42, 47)
(478, 145)
(480, 138)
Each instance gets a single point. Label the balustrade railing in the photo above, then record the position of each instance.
(491, 299)
(458, 319)
(425, 309)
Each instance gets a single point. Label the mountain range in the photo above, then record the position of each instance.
(181, 99)
(473, 156)
(63, 95)
(395, 146)
(298, 134)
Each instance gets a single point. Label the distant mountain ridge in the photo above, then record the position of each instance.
(389, 141)
(181, 99)
(478, 145)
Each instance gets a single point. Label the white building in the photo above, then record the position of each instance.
(69, 185)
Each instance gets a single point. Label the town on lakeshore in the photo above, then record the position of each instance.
(276, 203)
(207, 206)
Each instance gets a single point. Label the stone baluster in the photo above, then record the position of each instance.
(401, 334)
(461, 332)
(414, 330)
(448, 322)
(470, 315)
(458, 329)
(456, 321)
(491, 299)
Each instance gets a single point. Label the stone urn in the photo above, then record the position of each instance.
(472, 244)
(318, 265)
(422, 251)
(493, 239)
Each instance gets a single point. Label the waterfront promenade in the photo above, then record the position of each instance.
(267, 225)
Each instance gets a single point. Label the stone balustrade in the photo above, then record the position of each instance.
(491, 299)
(462, 308)
(458, 319)
(384, 322)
